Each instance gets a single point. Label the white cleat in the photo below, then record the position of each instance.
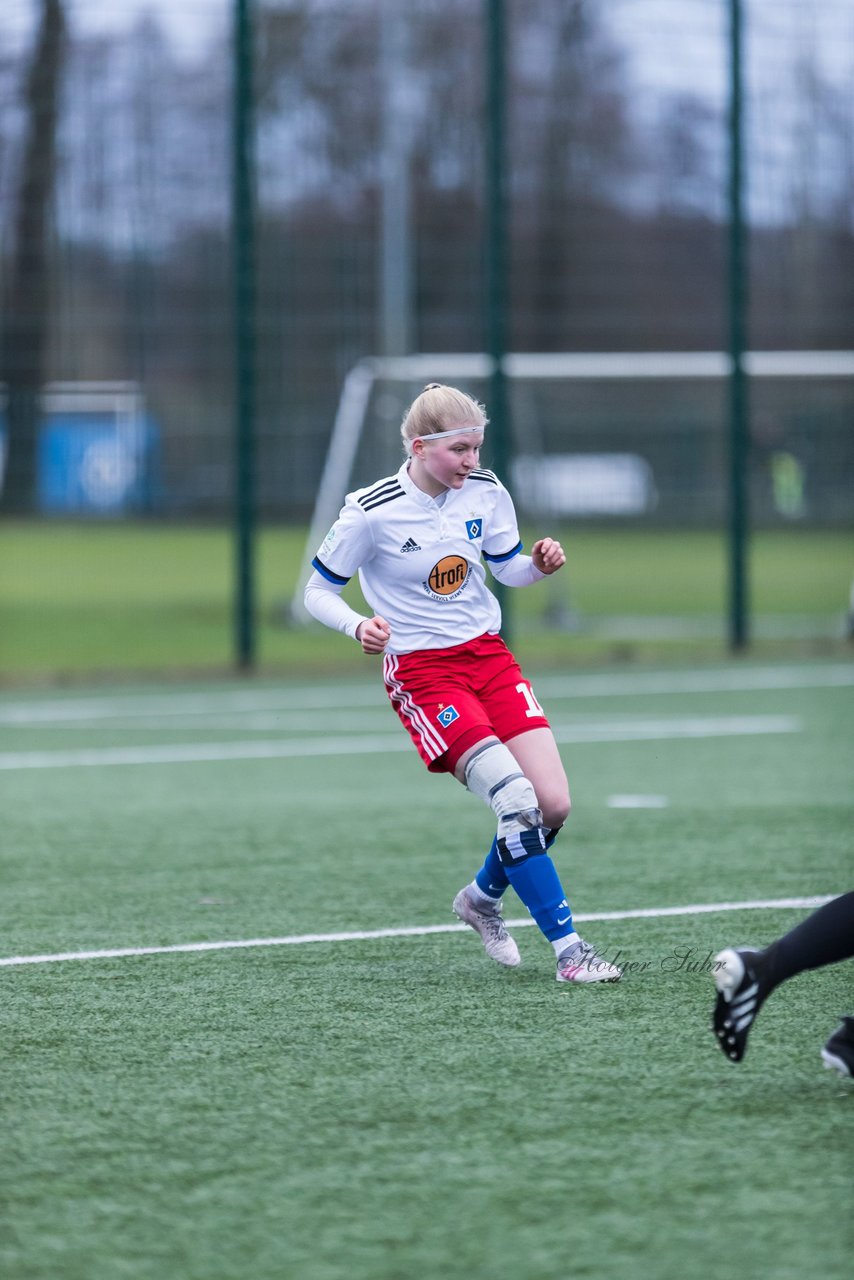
(488, 922)
(580, 963)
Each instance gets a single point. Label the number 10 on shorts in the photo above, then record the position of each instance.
(534, 708)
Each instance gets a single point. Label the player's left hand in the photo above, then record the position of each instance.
(547, 555)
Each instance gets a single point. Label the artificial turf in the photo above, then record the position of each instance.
(387, 1107)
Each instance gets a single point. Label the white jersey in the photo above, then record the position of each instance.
(419, 562)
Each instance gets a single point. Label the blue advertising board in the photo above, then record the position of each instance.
(89, 462)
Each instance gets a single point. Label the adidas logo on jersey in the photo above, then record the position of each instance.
(410, 545)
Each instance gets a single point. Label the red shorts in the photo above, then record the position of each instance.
(449, 699)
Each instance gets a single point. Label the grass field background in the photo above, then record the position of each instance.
(81, 599)
(387, 1107)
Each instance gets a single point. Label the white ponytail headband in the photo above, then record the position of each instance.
(455, 431)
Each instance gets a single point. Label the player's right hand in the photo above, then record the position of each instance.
(373, 635)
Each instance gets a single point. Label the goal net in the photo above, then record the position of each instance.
(618, 436)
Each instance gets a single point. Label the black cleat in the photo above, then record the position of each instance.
(738, 1002)
(838, 1053)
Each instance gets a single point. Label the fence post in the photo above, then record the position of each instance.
(243, 252)
(495, 198)
(739, 424)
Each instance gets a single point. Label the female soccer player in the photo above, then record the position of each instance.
(417, 540)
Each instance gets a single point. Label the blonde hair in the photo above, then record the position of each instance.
(439, 408)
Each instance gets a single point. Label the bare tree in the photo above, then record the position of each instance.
(26, 305)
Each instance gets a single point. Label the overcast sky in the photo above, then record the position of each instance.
(783, 31)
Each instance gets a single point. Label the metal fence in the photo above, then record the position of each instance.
(370, 210)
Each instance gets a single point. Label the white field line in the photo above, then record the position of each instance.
(370, 694)
(637, 802)
(381, 744)
(414, 931)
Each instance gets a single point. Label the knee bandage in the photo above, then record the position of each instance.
(493, 774)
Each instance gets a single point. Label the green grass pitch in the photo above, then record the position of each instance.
(79, 599)
(380, 1108)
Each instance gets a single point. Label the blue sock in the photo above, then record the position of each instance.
(492, 878)
(538, 885)
(534, 876)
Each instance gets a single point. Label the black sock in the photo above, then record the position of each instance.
(825, 937)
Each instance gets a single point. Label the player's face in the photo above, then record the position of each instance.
(448, 462)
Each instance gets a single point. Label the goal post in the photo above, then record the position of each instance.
(600, 429)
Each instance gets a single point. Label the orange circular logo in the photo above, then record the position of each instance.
(448, 575)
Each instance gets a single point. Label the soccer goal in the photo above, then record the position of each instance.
(616, 435)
